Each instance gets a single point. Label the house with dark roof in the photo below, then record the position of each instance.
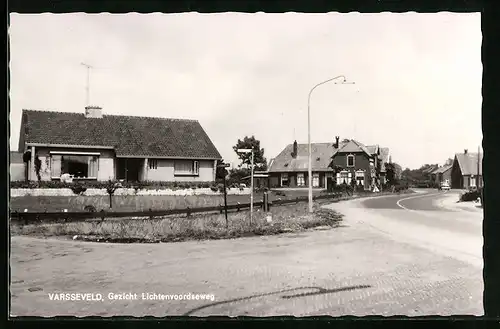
(17, 168)
(442, 174)
(93, 146)
(467, 170)
(356, 161)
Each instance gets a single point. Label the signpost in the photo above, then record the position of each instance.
(225, 165)
(251, 177)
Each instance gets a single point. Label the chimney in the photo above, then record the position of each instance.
(337, 142)
(294, 151)
(465, 151)
(93, 111)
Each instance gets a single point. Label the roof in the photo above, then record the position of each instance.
(442, 169)
(468, 163)
(16, 157)
(353, 146)
(373, 149)
(321, 158)
(430, 169)
(128, 135)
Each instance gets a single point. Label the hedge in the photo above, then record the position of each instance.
(104, 184)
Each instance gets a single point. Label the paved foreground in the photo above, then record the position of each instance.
(362, 268)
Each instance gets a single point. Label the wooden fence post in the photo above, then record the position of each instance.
(188, 211)
(150, 213)
(102, 214)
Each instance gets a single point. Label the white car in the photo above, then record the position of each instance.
(444, 186)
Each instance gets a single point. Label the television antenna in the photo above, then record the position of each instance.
(89, 67)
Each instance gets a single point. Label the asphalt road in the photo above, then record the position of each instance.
(408, 255)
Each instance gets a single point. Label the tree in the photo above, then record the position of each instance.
(38, 167)
(220, 172)
(390, 173)
(259, 160)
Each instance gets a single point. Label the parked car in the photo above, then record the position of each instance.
(444, 186)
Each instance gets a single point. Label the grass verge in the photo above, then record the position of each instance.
(285, 219)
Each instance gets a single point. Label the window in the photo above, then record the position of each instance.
(79, 166)
(153, 164)
(186, 167)
(284, 179)
(343, 177)
(300, 180)
(472, 181)
(315, 181)
(360, 178)
(350, 160)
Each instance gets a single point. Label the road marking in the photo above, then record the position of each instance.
(414, 197)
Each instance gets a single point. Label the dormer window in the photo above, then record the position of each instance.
(350, 160)
(317, 159)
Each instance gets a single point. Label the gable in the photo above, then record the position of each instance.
(127, 135)
(468, 163)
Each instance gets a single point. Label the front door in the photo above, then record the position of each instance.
(128, 169)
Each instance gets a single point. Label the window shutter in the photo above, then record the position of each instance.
(195, 167)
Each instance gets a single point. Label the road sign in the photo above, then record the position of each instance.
(244, 150)
(225, 165)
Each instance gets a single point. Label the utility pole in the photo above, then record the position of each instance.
(223, 166)
(88, 81)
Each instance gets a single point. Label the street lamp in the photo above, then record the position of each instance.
(344, 81)
(251, 178)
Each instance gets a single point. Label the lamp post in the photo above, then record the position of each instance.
(251, 178)
(309, 173)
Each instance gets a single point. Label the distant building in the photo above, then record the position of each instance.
(357, 162)
(467, 170)
(442, 174)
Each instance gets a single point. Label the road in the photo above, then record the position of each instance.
(417, 254)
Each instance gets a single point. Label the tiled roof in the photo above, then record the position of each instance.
(128, 135)
(351, 147)
(468, 163)
(321, 158)
(430, 169)
(16, 157)
(373, 149)
(442, 169)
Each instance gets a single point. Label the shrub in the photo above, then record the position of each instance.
(103, 185)
(78, 189)
(89, 208)
(471, 195)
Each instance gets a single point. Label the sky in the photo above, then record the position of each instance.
(417, 76)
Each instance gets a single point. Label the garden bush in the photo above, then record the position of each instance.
(78, 189)
(103, 185)
(471, 195)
